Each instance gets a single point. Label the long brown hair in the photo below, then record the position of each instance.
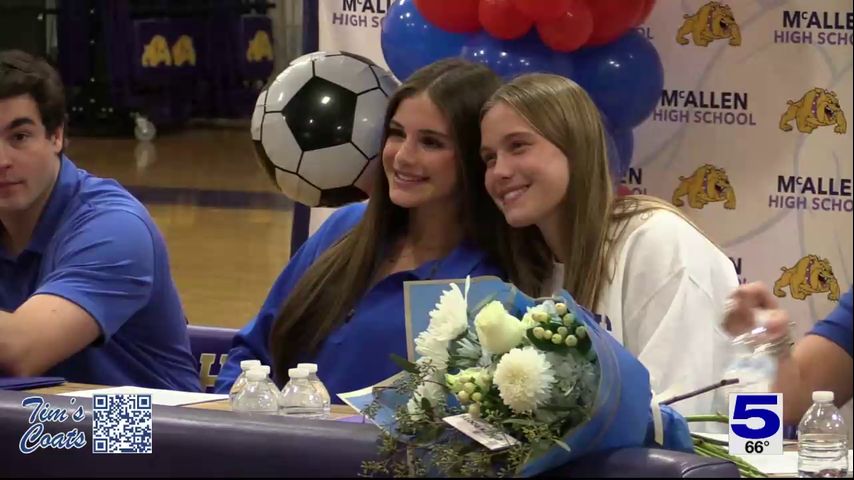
(593, 219)
(332, 286)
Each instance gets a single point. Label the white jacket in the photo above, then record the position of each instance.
(664, 301)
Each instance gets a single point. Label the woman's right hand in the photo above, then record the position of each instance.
(743, 306)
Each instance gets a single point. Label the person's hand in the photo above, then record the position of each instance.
(749, 301)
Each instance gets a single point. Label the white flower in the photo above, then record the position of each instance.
(497, 330)
(524, 379)
(449, 319)
(468, 349)
(432, 348)
(528, 319)
(429, 390)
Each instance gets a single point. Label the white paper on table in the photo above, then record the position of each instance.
(785, 464)
(170, 398)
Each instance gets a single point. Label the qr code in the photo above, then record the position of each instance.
(121, 423)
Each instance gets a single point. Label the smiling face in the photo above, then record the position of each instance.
(419, 156)
(526, 175)
(28, 157)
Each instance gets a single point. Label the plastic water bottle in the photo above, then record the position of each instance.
(311, 368)
(257, 396)
(299, 397)
(268, 380)
(822, 440)
(240, 382)
(754, 366)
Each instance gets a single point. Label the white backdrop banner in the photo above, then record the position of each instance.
(750, 137)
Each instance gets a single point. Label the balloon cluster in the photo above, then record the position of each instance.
(593, 42)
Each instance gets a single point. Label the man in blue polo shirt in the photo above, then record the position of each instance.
(85, 286)
(822, 360)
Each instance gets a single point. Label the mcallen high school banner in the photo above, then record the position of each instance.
(353, 25)
(751, 136)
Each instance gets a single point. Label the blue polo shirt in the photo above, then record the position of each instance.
(837, 327)
(356, 354)
(96, 246)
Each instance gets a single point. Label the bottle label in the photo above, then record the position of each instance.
(756, 424)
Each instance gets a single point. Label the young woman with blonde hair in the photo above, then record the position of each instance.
(657, 282)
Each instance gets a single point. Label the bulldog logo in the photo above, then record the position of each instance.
(706, 185)
(714, 21)
(260, 48)
(156, 52)
(817, 108)
(183, 51)
(810, 275)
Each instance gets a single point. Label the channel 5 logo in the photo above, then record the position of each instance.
(756, 423)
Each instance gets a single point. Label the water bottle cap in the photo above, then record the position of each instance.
(297, 373)
(822, 396)
(256, 375)
(308, 367)
(265, 369)
(246, 365)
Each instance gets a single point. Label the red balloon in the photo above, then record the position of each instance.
(457, 16)
(502, 20)
(648, 5)
(612, 18)
(569, 31)
(542, 10)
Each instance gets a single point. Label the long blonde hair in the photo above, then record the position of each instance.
(562, 112)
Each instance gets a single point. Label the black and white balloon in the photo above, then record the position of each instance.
(317, 128)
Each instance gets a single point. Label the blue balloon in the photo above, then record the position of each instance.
(410, 42)
(624, 78)
(624, 143)
(510, 58)
(621, 145)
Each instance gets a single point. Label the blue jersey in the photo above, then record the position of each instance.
(356, 354)
(96, 246)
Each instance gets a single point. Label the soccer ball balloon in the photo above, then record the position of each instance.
(317, 127)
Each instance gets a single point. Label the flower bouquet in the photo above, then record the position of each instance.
(498, 383)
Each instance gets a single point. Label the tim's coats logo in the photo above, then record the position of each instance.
(816, 108)
(815, 27)
(708, 184)
(713, 21)
(811, 274)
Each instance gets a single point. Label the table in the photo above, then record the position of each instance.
(337, 411)
(201, 440)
